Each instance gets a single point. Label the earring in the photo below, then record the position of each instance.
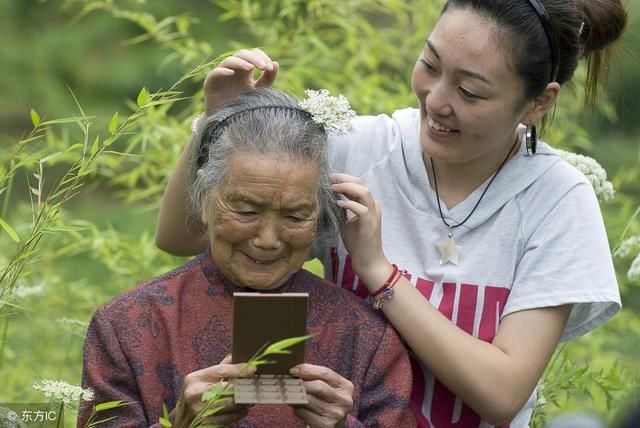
(531, 139)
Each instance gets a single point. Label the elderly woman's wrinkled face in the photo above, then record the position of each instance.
(262, 223)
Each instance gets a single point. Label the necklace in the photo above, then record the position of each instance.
(449, 251)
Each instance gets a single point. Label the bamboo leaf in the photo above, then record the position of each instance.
(12, 233)
(110, 405)
(113, 123)
(280, 346)
(213, 392)
(142, 97)
(35, 118)
(51, 156)
(101, 421)
(95, 146)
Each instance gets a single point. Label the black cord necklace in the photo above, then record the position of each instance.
(449, 251)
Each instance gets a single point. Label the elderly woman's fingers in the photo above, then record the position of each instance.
(325, 384)
(226, 418)
(225, 371)
(316, 420)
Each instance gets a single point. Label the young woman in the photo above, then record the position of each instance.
(503, 243)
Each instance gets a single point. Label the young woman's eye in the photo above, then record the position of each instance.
(428, 66)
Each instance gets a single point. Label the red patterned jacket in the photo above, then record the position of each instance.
(141, 344)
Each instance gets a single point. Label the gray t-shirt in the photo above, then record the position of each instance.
(537, 239)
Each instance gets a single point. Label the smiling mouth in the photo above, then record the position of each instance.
(261, 262)
(436, 126)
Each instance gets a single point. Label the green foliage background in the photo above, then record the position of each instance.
(81, 188)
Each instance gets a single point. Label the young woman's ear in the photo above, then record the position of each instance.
(543, 103)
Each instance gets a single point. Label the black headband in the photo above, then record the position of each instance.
(546, 24)
(211, 131)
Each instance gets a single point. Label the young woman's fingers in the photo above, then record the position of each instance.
(269, 76)
(355, 207)
(256, 57)
(340, 177)
(355, 192)
(236, 63)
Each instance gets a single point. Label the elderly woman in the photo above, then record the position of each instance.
(259, 181)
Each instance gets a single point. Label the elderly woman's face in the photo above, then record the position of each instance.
(262, 223)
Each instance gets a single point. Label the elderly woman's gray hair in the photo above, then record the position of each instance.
(265, 122)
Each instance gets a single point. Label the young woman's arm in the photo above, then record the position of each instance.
(177, 232)
(495, 379)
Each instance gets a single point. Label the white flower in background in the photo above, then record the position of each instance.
(334, 114)
(634, 271)
(628, 248)
(24, 291)
(72, 322)
(594, 172)
(58, 390)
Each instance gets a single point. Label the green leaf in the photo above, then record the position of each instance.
(35, 118)
(110, 405)
(95, 146)
(113, 123)
(213, 392)
(101, 421)
(164, 419)
(12, 233)
(280, 346)
(142, 97)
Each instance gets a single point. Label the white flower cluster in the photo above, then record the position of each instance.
(59, 390)
(25, 291)
(628, 248)
(334, 114)
(594, 172)
(634, 271)
(72, 322)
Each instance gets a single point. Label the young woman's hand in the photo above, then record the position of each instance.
(362, 230)
(196, 383)
(330, 396)
(235, 76)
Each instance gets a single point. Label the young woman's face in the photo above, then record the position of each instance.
(471, 101)
(261, 224)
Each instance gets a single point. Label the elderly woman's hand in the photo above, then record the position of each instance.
(234, 76)
(196, 383)
(330, 396)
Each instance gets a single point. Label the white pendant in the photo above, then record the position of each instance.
(449, 251)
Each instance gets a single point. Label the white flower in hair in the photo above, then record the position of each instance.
(334, 114)
(593, 171)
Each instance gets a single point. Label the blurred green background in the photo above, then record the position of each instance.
(100, 241)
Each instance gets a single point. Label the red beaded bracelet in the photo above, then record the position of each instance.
(387, 282)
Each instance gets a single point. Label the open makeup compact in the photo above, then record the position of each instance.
(258, 321)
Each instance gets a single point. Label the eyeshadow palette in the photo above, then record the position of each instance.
(269, 389)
